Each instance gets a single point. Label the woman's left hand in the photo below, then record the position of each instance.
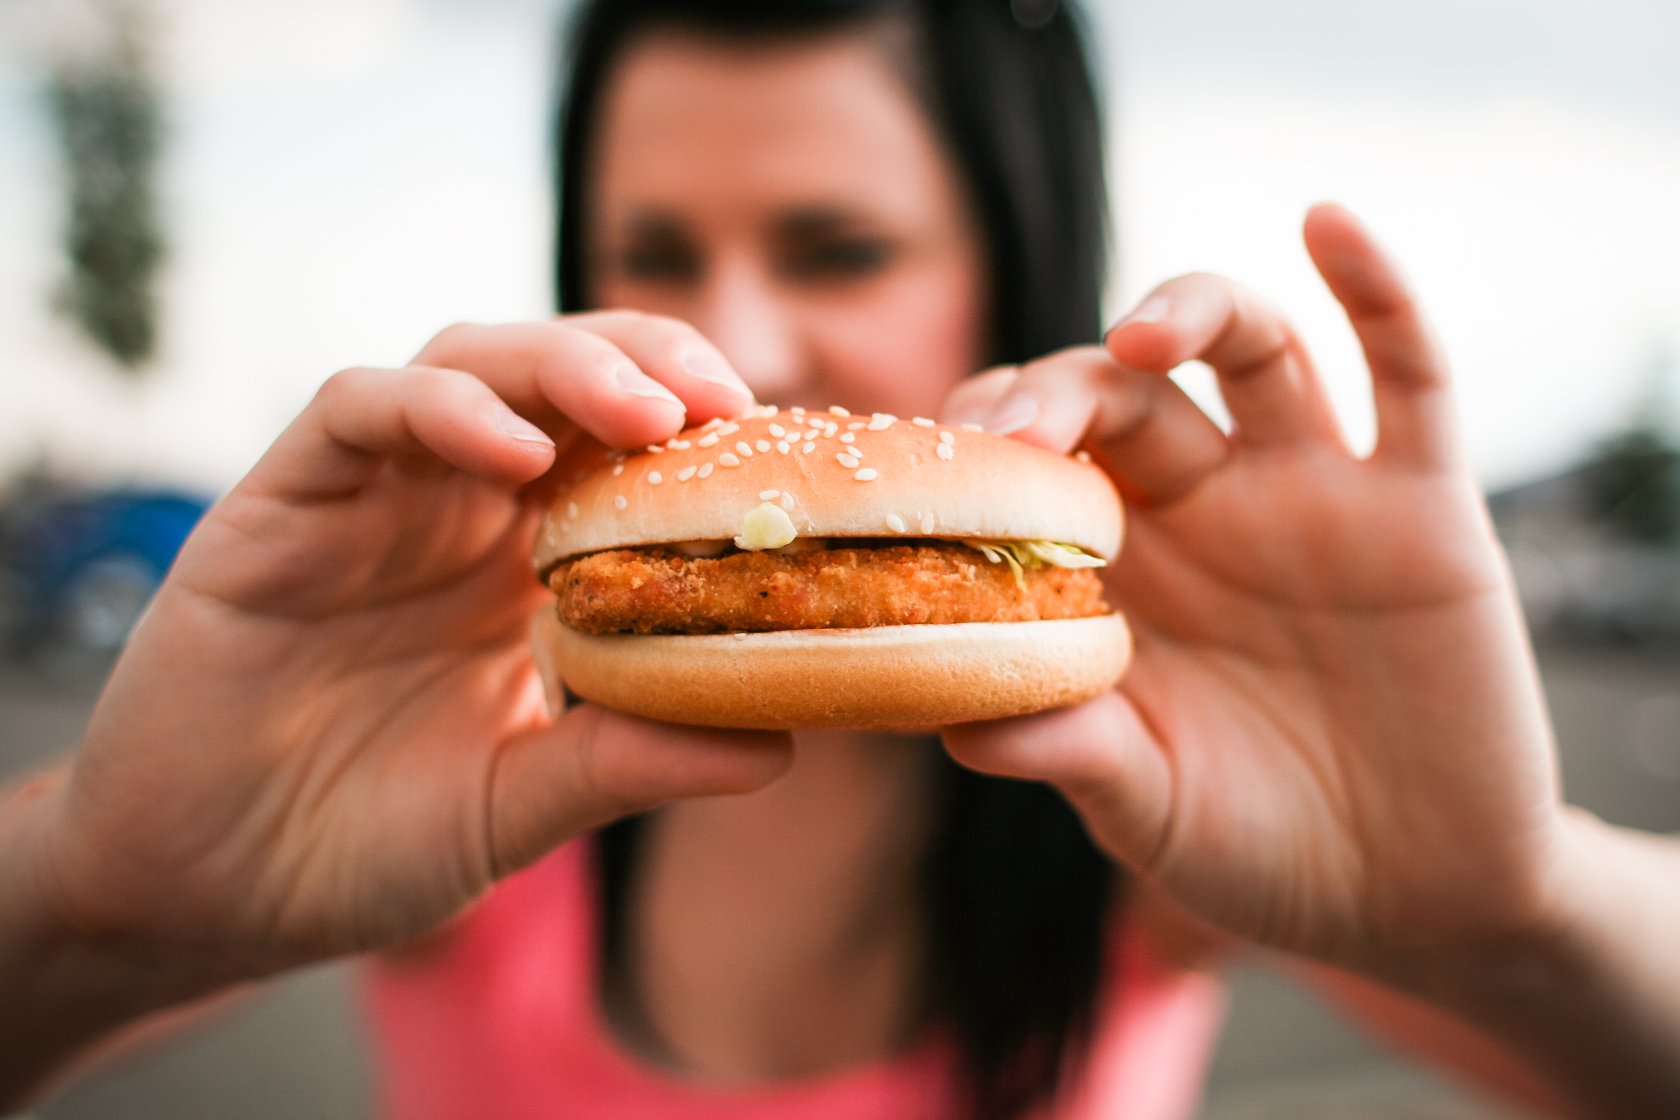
(1332, 738)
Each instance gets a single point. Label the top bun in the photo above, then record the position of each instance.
(835, 475)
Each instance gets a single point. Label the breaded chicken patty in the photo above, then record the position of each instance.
(659, 591)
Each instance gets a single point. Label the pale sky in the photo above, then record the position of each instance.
(346, 177)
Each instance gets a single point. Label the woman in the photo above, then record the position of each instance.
(327, 736)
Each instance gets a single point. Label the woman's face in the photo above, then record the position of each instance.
(790, 201)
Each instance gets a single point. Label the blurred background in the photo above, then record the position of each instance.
(207, 208)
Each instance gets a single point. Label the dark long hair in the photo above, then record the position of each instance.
(1015, 897)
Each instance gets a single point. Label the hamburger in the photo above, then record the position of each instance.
(815, 569)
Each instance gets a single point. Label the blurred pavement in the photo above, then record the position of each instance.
(297, 1051)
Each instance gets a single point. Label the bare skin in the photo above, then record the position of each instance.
(356, 609)
(327, 735)
(1338, 638)
(731, 931)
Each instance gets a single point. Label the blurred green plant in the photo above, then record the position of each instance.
(1633, 478)
(1634, 487)
(109, 118)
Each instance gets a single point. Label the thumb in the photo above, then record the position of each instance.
(593, 765)
(1101, 755)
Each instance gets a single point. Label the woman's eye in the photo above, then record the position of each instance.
(658, 265)
(839, 260)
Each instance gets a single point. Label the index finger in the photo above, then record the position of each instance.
(1409, 378)
(1155, 441)
(562, 376)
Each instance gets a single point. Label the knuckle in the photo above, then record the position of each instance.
(669, 324)
(450, 339)
(1199, 279)
(1065, 362)
(575, 353)
(345, 383)
(430, 380)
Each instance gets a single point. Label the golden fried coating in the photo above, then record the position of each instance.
(657, 591)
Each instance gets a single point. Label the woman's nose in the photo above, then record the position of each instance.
(757, 330)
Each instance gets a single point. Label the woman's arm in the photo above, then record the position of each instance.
(61, 990)
(1332, 740)
(1591, 1001)
(1580, 1020)
(327, 735)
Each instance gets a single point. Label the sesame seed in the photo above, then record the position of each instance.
(706, 469)
(729, 429)
(712, 423)
(782, 446)
(857, 425)
(655, 478)
(895, 523)
(618, 470)
(709, 440)
(881, 421)
(777, 430)
(947, 437)
(928, 522)
(571, 509)
(922, 422)
(847, 461)
(867, 474)
(742, 446)
(855, 452)
(768, 495)
(763, 446)
(680, 445)
(686, 473)
(838, 411)
(621, 503)
(655, 449)
(971, 427)
(808, 448)
(849, 437)
(728, 459)
(944, 452)
(1082, 455)
(740, 637)
(787, 500)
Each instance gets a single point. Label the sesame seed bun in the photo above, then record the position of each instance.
(837, 476)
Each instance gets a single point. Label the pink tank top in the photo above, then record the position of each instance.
(496, 1019)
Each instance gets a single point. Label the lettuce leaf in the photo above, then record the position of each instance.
(1026, 555)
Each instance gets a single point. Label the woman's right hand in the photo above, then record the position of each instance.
(327, 735)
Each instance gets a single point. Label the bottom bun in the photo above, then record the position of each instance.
(887, 678)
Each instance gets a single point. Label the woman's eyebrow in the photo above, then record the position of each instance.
(654, 225)
(814, 221)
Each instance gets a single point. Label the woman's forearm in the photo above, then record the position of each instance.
(62, 991)
(1593, 1005)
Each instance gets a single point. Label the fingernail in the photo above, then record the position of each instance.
(1155, 309)
(708, 367)
(516, 427)
(1013, 414)
(639, 384)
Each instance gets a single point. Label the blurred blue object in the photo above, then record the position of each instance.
(77, 567)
